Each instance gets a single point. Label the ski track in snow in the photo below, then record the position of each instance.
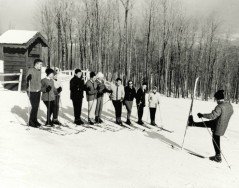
(109, 155)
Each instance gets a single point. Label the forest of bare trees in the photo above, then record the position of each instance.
(157, 43)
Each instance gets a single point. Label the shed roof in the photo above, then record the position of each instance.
(22, 38)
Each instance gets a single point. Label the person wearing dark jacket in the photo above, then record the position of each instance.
(140, 101)
(91, 94)
(49, 94)
(77, 87)
(101, 88)
(33, 78)
(130, 94)
(219, 119)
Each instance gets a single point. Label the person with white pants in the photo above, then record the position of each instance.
(91, 93)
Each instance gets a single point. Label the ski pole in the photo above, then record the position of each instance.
(216, 144)
(29, 104)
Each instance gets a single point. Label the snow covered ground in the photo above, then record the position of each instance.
(112, 157)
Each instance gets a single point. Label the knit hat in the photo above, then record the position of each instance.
(100, 75)
(219, 95)
(49, 71)
(92, 74)
(77, 70)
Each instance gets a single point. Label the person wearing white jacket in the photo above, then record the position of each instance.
(153, 104)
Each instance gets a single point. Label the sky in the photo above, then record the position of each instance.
(19, 14)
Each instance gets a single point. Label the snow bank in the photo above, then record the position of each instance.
(107, 158)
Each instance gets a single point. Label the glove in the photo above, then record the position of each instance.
(59, 90)
(200, 115)
(48, 89)
(29, 77)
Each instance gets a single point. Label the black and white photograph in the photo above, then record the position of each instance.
(119, 93)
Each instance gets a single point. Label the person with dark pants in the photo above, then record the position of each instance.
(140, 101)
(77, 87)
(101, 88)
(33, 78)
(48, 94)
(153, 104)
(130, 94)
(220, 118)
(117, 97)
(57, 85)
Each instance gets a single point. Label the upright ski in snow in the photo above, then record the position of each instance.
(191, 108)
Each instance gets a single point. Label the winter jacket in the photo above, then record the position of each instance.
(154, 100)
(36, 79)
(130, 93)
(140, 97)
(101, 88)
(48, 96)
(221, 114)
(77, 87)
(117, 94)
(91, 90)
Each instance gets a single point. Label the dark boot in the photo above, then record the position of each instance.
(91, 122)
(128, 122)
(100, 120)
(56, 122)
(190, 121)
(153, 123)
(37, 123)
(49, 124)
(33, 124)
(217, 158)
(81, 122)
(96, 119)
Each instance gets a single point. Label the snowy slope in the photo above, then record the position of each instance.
(115, 157)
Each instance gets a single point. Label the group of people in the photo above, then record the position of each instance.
(95, 88)
(50, 87)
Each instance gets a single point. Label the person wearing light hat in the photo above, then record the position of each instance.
(219, 119)
(153, 104)
(49, 93)
(101, 88)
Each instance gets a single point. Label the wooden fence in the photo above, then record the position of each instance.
(19, 81)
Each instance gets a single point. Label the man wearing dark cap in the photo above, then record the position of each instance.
(219, 119)
(91, 94)
(77, 87)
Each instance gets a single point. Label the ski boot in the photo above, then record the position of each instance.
(217, 158)
(190, 121)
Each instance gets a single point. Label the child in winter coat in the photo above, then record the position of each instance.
(153, 104)
(49, 94)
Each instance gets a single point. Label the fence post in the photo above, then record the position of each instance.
(20, 80)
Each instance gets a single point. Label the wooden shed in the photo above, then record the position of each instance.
(18, 50)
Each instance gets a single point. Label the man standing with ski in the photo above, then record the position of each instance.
(77, 87)
(117, 97)
(130, 94)
(219, 119)
(140, 101)
(153, 104)
(91, 93)
(101, 88)
(33, 78)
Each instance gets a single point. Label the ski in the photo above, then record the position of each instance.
(190, 110)
(163, 129)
